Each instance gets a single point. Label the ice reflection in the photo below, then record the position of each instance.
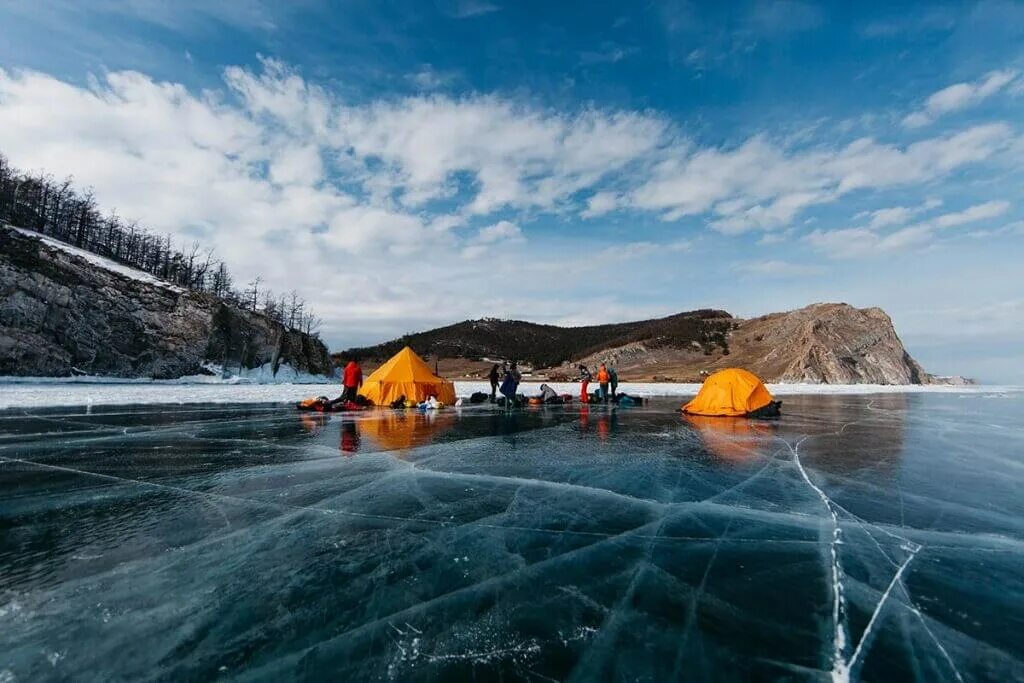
(733, 439)
(399, 430)
(603, 423)
(848, 434)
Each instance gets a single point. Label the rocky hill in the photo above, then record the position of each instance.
(547, 345)
(63, 313)
(822, 343)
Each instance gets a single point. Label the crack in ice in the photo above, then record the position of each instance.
(843, 667)
(840, 668)
(878, 610)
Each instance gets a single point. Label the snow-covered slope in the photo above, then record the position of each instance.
(97, 260)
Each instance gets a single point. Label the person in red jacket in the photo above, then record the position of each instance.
(584, 378)
(352, 379)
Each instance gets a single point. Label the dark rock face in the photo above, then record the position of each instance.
(61, 314)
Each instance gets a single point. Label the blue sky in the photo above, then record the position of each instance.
(405, 165)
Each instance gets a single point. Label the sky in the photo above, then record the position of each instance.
(404, 165)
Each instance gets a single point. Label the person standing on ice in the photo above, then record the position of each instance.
(613, 380)
(585, 378)
(494, 377)
(510, 385)
(352, 380)
(602, 379)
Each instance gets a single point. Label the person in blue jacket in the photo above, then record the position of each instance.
(510, 385)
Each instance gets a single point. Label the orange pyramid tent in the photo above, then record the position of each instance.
(406, 375)
(732, 392)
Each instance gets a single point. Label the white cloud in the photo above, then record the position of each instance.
(771, 268)
(898, 215)
(500, 231)
(493, 237)
(760, 185)
(644, 248)
(518, 156)
(599, 204)
(978, 212)
(844, 243)
(428, 78)
(463, 9)
(960, 96)
(297, 166)
(610, 54)
(868, 241)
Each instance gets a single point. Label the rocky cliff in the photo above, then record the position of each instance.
(62, 314)
(828, 343)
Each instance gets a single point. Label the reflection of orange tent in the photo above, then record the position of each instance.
(733, 439)
(731, 392)
(403, 429)
(406, 375)
(312, 422)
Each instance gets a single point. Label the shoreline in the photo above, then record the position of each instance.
(53, 392)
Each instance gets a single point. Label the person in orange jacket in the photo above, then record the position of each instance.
(352, 379)
(602, 379)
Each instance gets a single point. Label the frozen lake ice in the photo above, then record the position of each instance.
(876, 537)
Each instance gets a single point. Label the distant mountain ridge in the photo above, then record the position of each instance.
(829, 343)
(547, 345)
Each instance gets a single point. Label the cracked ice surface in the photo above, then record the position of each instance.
(857, 537)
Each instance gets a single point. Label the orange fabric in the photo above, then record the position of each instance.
(406, 375)
(603, 377)
(732, 392)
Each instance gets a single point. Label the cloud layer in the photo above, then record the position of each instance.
(405, 200)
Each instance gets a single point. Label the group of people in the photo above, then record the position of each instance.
(505, 379)
(607, 379)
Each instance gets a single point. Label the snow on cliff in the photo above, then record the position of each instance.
(101, 261)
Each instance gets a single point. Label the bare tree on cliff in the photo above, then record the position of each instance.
(221, 282)
(295, 306)
(252, 293)
(311, 325)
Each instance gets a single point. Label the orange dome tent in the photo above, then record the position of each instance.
(732, 392)
(406, 375)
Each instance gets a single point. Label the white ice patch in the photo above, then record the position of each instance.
(650, 389)
(260, 386)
